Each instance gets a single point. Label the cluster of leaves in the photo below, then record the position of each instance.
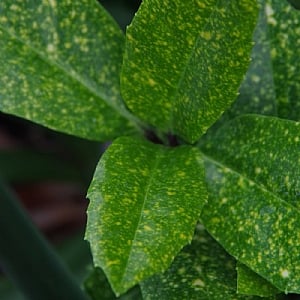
(68, 66)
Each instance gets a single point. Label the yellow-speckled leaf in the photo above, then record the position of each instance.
(284, 40)
(257, 91)
(184, 61)
(272, 83)
(250, 283)
(253, 179)
(202, 270)
(60, 63)
(145, 200)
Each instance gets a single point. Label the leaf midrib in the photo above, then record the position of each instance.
(259, 185)
(71, 74)
(147, 188)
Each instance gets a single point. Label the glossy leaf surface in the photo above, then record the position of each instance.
(202, 270)
(253, 178)
(250, 283)
(186, 60)
(145, 201)
(60, 64)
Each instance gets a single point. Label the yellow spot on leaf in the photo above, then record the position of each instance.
(152, 82)
(198, 283)
(258, 170)
(50, 48)
(284, 273)
(206, 35)
(147, 228)
(171, 193)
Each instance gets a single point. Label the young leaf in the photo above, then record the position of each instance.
(253, 178)
(184, 61)
(145, 201)
(202, 270)
(60, 63)
(250, 283)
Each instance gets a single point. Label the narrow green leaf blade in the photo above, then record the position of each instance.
(60, 65)
(28, 259)
(186, 60)
(250, 283)
(202, 270)
(145, 201)
(253, 179)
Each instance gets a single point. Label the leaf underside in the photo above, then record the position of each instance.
(60, 64)
(186, 61)
(253, 179)
(145, 200)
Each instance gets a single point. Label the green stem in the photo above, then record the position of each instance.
(28, 259)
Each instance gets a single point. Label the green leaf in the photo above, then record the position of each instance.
(145, 201)
(257, 92)
(186, 60)
(250, 283)
(253, 179)
(98, 287)
(60, 65)
(271, 86)
(284, 36)
(202, 270)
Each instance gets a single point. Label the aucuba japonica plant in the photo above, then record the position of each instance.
(197, 196)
